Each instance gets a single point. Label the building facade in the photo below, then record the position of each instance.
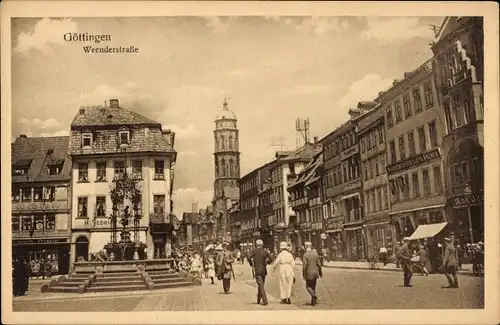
(227, 169)
(41, 196)
(458, 74)
(106, 144)
(414, 130)
(248, 221)
(342, 193)
(369, 118)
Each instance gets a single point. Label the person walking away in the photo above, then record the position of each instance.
(382, 254)
(211, 269)
(259, 259)
(405, 260)
(286, 263)
(397, 250)
(450, 263)
(424, 258)
(218, 259)
(225, 260)
(311, 271)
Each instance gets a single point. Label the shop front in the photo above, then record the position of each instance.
(57, 250)
(380, 234)
(467, 217)
(408, 220)
(355, 245)
(335, 243)
(305, 232)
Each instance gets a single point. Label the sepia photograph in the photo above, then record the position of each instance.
(246, 163)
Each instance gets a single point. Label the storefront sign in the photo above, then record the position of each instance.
(464, 200)
(40, 241)
(349, 152)
(407, 163)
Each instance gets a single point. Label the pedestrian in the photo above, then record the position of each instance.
(225, 262)
(397, 250)
(405, 260)
(382, 255)
(424, 258)
(211, 269)
(259, 259)
(450, 263)
(286, 262)
(311, 271)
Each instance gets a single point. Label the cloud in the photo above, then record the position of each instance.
(365, 89)
(184, 198)
(50, 123)
(189, 132)
(322, 25)
(61, 133)
(394, 29)
(46, 33)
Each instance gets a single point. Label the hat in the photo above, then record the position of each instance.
(307, 243)
(283, 245)
(406, 239)
(480, 243)
(259, 242)
(447, 239)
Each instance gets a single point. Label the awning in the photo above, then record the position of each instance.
(427, 231)
(333, 230)
(349, 196)
(376, 224)
(437, 206)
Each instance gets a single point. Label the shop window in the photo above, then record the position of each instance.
(83, 172)
(101, 171)
(100, 206)
(82, 207)
(38, 193)
(15, 192)
(26, 194)
(15, 223)
(50, 222)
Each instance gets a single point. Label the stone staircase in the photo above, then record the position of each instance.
(166, 278)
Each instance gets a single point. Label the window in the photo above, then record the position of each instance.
(159, 204)
(137, 169)
(377, 171)
(50, 222)
(397, 111)
(382, 164)
(38, 222)
(27, 223)
(83, 172)
(100, 206)
(470, 115)
(459, 114)
(457, 174)
(159, 169)
(426, 182)
(119, 168)
(344, 169)
(433, 137)
(38, 193)
(386, 198)
(438, 184)
(124, 137)
(406, 187)
(366, 171)
(464, 166)
(421, 139)
(418, 100)
(390, 121)
(49, 193)
(26, 194)
(374, 204)
(101, 172)
(55, 168)
(429, 97)
(15, 223)
(447, 114)
(392, 148)
(401, 143)
(416, 185)
(82, 207)
(411, 144)
(371, 169)
(379, 198)
(16, 193)
(380, 135)
(86, 139)
(407, 106)
(362, 144)
(369, 141)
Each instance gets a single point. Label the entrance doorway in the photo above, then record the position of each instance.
(82, 248)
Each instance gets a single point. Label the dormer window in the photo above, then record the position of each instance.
(124, 137)
(55, 167)
(21, 167)
(87, 140)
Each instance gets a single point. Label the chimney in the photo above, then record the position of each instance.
(194, 207)
(113, 103)
(315, 140)
(82, 111)
(24, 136)
(169, 136)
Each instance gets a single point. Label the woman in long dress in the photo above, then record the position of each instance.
(286, 263)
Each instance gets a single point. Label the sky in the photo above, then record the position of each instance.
(274, 69)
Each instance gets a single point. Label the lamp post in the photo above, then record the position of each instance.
(468, 192)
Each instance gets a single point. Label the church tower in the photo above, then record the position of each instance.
(227, 166)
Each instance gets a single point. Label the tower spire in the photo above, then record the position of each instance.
(224, 105)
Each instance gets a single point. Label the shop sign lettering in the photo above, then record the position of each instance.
(426, 156)
(97, 223)
(40, 241)
(472, 199)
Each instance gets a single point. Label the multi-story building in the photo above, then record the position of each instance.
(369, 119)
(267, 218)
(227, 169)
(41, 222)
(458, 74)
(306, 200)
(342, 197)
(107, 143)
(414, 130)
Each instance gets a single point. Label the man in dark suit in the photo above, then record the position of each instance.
(311, 271)
(259, 259)
(405, 260)
(450, 263)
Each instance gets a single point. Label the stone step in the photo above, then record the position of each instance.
(164, 276)
(171, 280)
(69, 284)
(93, 288)
(119, 282)
(59, 288)
(117, 278)
(72, 279)
(118, 275)
(178, 284)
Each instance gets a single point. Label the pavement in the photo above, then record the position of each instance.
(340, 288)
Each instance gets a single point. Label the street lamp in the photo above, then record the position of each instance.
(468, 192)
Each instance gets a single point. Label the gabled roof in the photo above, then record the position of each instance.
(105, 116)
(37, 153)
(305, 152)
(309, 174)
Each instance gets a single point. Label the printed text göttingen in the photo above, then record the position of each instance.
(98, 38)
